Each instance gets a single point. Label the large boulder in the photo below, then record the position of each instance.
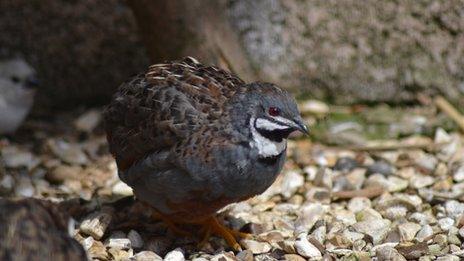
(347, 50)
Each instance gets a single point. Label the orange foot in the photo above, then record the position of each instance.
(212, 226)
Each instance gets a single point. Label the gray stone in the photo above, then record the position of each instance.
(135, 239)
(377, 229)
(388, 254)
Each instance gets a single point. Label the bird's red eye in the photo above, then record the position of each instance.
(274, 111)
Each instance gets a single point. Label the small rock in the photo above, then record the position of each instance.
(421, 181)
(377, 229)
(252, 228)
(352, 236)
(245, 255)
(421, 218)
(147, 256)
(392, 183)
(68, 152)
(458, 175)
(324, 178)
(413, 251)
(380, 167)
(292, 180)
(368, 214)
(454, 239)
(98, 251)
(425, 232)
(388, 253)
(395, 212)
(16, 158)
(358, 203)
(95, 224)
(345, 216)
(119, 243)
(62, 173)
(408, 231)
(308, 216)
(441, 136)
(311, 172)
(271, 236)
(24, 187)
(440, 239)
(87, 243)
(435, 249)
(293, 257)
(229, 256)
(305, 248)
(448, 258)
(287, 246)
(454, 208)
(425, 161)
(340, 241)
(350, 181)
(159, 245)
(120, 254)
(314, 107)
(135, 239)
(446, 223)
(88, 121)
(255, 247)
(6, 184)
(175, 255)
(345, 164)
(320, 234)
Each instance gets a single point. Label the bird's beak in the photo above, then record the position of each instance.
(301, 126)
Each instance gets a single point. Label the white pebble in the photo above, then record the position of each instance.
(305, 248)
(175, 255)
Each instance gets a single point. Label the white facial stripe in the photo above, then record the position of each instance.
(266, 148)
(284, 121)
(266, 124)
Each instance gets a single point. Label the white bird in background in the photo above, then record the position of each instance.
(17, 82)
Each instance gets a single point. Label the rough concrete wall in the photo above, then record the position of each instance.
(354, 50)
(82, 50)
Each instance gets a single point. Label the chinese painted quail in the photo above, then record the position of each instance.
(17, 80)
(191, 139)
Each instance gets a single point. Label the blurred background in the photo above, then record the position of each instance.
(342, 51)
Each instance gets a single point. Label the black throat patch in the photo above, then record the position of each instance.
(275, 135)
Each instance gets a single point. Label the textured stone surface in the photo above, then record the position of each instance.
(81, 50)
(355, 50)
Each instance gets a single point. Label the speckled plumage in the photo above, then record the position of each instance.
(182, 137)
(33, 229)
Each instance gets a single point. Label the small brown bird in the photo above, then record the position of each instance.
(191, 139)
(33, 229)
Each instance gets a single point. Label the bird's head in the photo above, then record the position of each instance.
(275, 112)
(20, 75)
(273, 115)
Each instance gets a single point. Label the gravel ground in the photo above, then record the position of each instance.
(383, 200)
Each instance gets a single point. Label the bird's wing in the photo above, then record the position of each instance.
(166, 106)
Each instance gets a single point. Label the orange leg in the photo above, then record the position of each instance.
(171, 225)
(212, 226)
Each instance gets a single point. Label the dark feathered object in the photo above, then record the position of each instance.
(32, 229)
(190, 139)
